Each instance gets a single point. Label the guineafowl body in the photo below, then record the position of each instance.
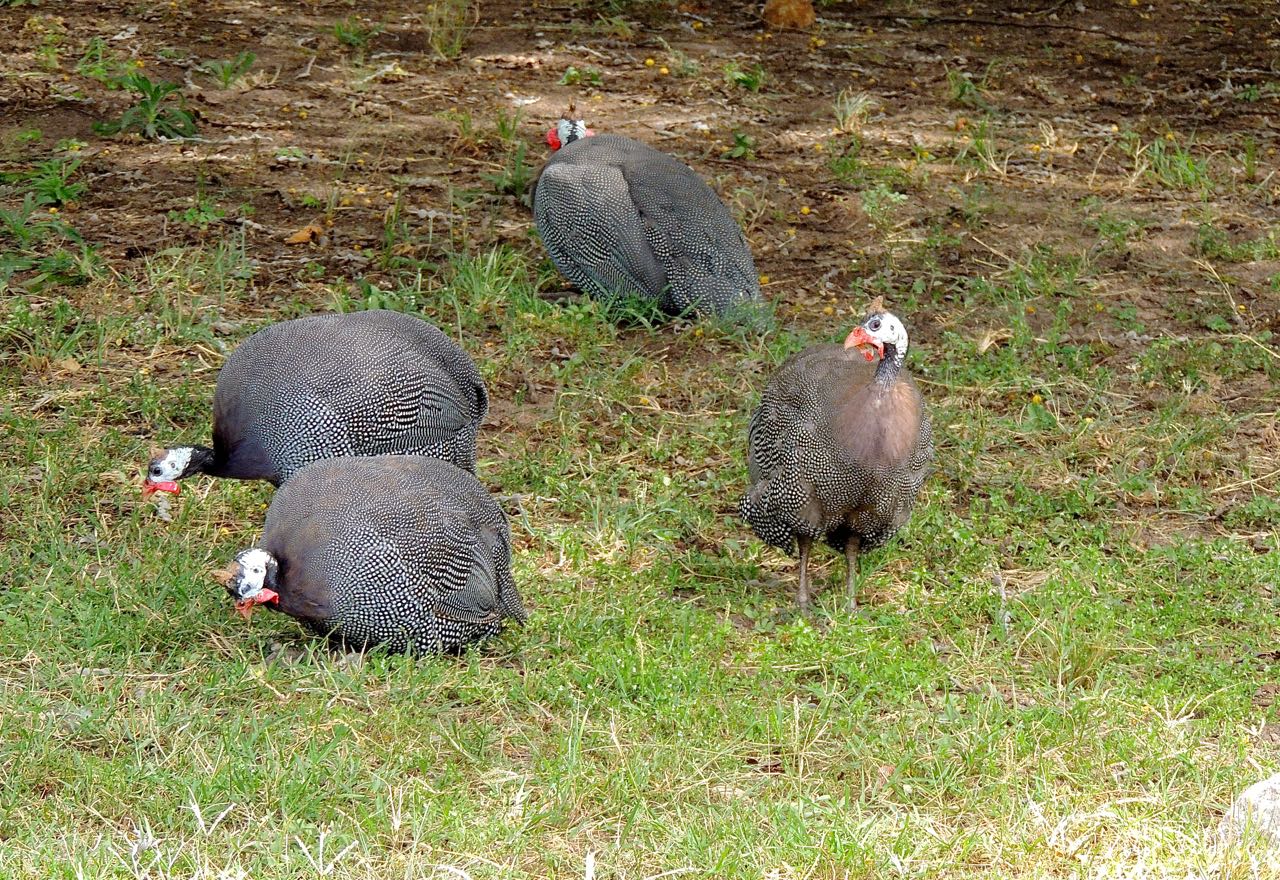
(838, 448)
(620, 220)
(403, 551)
(364, 383)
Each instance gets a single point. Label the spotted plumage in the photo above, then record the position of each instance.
(622, 220)
(407, 552)
(365, 383)
(838, 448)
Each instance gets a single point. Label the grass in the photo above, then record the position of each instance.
(661, 710)
(1065, 664)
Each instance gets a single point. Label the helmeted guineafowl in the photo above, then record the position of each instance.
(364, 383)
(621, 219)
(838, 449)
(397, 550)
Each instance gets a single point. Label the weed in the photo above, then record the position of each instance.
(50, 182)
(1216, 244)
(228, 73)
(750, 78)
(105, 66)
(354, 33)
(200, 214)
(852, 108)
(743, 147)
(879, 203)
(962, 90)
(447, 24)
(515, 174)
(588, 76)
(1174, 166)
(154, 116)
(42, 249)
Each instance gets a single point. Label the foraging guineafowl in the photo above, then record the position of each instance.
(397, 550)
(621, 219)
(838, 449)
(364, 383)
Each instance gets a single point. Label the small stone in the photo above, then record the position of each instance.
(1257, 811)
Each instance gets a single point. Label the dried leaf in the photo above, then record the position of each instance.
(789, 13)
(307, 234)
(992, 338)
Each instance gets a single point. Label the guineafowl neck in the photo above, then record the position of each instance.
(203, 461)
(890, 367)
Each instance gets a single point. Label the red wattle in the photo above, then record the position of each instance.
(149, 488)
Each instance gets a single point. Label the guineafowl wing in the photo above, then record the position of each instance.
(594, 233)
(693, 237)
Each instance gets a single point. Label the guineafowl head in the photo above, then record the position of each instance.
(566, 132)
(170, 465)
(251, 580)
(879, 331)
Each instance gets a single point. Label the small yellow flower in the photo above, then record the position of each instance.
(302, 114)
(1031, 310)
(817, 147)
(361, 189)
(1079, 58)
(697, 331)
(697, 25)
(1036, 398)
(827, 310)
(804, 210)
(764, 279)
(664, 70)
(649, 62)
(644, 401)
(1097, 307)
(389, 194)
(53, 210)
(791, 230)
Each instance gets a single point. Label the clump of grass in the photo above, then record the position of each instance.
(852, 108)
(1172, 165)
(448, 23)
(355, 33)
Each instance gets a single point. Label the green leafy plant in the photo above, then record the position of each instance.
(355, 34)
(202, 213)
(35, 244)
(752, 79)
(588, 76)
(743, 147)
(962, 89)
(50, 182)
(154, 116)
(229, 72)
(515, 175)
(101, 64)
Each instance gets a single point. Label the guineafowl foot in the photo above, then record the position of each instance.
(851, 574)
(802, 592)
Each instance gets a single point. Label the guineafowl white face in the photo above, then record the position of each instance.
(879, 330)
(250, 580)
(166, 469)
(566, 132)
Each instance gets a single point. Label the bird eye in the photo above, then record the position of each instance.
(874, 324)
(155, 471)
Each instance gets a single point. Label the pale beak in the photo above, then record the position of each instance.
(860, 337)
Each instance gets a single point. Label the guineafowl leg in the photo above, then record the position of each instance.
(851, 549)
(802, 594)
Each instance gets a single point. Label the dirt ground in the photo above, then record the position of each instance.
(357, 130)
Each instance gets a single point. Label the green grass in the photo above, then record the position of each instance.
(1063, 667)
(662, 710)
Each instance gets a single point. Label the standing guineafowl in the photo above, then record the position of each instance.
(838, 449)
(365, 383)
(622, 220)
(397, 550)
